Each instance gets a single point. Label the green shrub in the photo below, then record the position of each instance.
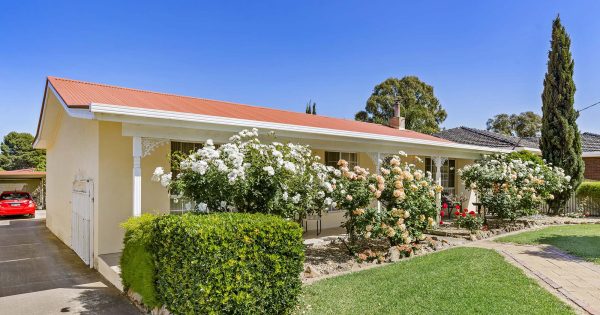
(525, 155)
(137, 264)
(227, 263)
(589, 189)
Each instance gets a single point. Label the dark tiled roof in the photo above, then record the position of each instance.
(590, 142)
(486, 138)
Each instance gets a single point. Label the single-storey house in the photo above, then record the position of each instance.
(590, 144)
(28, 180)
(103, 143)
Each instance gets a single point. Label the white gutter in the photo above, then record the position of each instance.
(172, 115)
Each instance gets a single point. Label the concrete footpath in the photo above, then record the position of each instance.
(568, 277)
(41, 275)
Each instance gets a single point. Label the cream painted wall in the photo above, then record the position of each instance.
(460, 186)
(73, 154)
(28, 185)
(116, 182)
(116, 185)
(155, 198)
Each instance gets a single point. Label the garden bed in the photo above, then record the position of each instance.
(328, 256)
(498, 227)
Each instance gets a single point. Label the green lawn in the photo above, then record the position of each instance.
(455, 281)
(581, 240)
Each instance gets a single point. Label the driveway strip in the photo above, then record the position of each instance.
(41, 275)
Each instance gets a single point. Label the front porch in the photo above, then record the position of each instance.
(151, 152)
(139, 149)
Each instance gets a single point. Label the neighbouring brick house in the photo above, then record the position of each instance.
(591, 155)
(472, 136)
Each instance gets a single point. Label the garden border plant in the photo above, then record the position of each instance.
(510, 187)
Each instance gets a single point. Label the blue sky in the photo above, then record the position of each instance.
(482, 57)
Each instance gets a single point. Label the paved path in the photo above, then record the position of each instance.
(566, 276)
(41, 275)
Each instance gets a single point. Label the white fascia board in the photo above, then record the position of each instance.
(179, 116)
(591, 154)
(83, 113)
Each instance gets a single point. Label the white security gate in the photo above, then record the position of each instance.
(82, 224)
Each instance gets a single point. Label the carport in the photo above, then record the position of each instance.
(28, 180)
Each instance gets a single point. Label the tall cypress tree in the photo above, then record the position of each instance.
(561, 142)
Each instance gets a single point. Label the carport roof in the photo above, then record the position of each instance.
(23, 173)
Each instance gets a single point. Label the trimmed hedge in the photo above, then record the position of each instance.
(589, 189)
(137, 264)
(225, 263)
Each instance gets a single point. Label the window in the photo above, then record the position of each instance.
(448, 171)
(15, 196)
(332, 158)
(181, 150)
(185, 147)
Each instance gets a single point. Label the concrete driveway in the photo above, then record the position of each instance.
(41, 275)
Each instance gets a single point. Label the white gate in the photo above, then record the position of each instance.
(82, 224)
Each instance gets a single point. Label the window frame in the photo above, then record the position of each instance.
(340, 155)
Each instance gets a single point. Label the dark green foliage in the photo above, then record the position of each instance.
(526, 124)
(560, 142)
(18, 153)
(526, 156)
(222, 263)
(311, 108)
(418, 104)
(137, 264)
(589, 189)
(501, 123)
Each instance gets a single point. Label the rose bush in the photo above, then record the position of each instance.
(246, 175)
(407, 197)
(352, 194)
(468, 220)
(510, 187)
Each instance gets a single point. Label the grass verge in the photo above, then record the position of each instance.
(455, 281)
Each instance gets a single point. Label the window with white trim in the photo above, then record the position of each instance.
(448, 171)
(332, 158)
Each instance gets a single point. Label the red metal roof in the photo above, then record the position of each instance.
(27, 172)
(79, 94)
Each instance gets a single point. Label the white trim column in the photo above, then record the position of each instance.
(438, 161)
(137, 176)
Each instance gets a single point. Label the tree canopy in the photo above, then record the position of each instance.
(561, 142)
(526, 124)
(418, 104)
(311, 107)
(17, 152)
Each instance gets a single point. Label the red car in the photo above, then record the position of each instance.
(16, 203)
